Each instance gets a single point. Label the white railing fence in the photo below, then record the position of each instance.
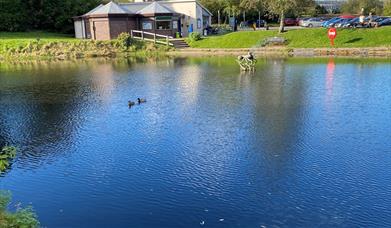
(151, 37)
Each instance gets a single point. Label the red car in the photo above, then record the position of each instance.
(291, 22)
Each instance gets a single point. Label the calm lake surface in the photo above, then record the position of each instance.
(299, 143)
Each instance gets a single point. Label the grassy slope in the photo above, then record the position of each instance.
(16, 39)
(25, 45)
(303, 38)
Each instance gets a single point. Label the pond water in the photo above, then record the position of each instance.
(300, 142)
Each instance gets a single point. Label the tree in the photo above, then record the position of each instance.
(232, 7)
(303, 7)
(319, 10)
(49, 15)
(369, 6)
(216, 7)
(280, 7)
(387, 8)
(256, 5)
(13, 15)
(253, 5)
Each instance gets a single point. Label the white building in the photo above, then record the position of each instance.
(193, 14)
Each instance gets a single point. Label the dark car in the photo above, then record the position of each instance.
(368, 22)
(291, 22)
(340, 23)
(261, 23)
(385, 22)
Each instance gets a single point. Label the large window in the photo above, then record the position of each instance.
(163, 25)
(147, 25)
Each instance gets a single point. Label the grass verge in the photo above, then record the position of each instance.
(301, 38)
(44, 45)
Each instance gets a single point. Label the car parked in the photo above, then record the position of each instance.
(291, 22)
(368, 22)
(334, 23)
(327, 23)
(301, 20)
(351, 23)
(312, 22)
(385, 22)
(261, 23)
(377, 21)
(342, 22)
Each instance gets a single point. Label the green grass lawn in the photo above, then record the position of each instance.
(45, 45)
(302, 38)
(16, 39)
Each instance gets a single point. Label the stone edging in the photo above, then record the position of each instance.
(355, 52)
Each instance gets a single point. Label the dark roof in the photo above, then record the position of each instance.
(109, 8)
(154, 8)
(141, 8)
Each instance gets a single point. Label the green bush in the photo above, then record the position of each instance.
(124, 41)
(23, 217)
(6, 154)
(194, 36)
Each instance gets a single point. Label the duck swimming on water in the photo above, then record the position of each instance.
(141, 100)
(131, 103)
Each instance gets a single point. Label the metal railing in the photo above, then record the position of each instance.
(151, 37)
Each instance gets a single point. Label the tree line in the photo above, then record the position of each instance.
(292, 8)
(271, 9)
(48, 15)
(376, 7)
(56, 15)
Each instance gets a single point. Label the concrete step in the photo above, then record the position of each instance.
(180, 44)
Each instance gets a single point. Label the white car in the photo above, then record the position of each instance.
(312, 22)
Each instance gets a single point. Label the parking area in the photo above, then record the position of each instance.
(342, 21)
(346, 21)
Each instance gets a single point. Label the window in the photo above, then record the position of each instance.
(175, 24)
(147, 25)
(198, 23)
(162, 25)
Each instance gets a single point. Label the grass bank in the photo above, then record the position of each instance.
(44, 45)
(301, 38)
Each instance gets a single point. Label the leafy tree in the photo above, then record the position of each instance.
(281, 7)
(319, 10)
(232, 7)
(13, 15)
(215, 6)
(256, 5)
(51, 15)
(387, 8)
(369, 6)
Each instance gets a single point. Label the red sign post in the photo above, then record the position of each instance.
(332, 33)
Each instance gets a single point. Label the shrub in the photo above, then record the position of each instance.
(23, 217)
(6, 154)
(124, 41)
(194, 36)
